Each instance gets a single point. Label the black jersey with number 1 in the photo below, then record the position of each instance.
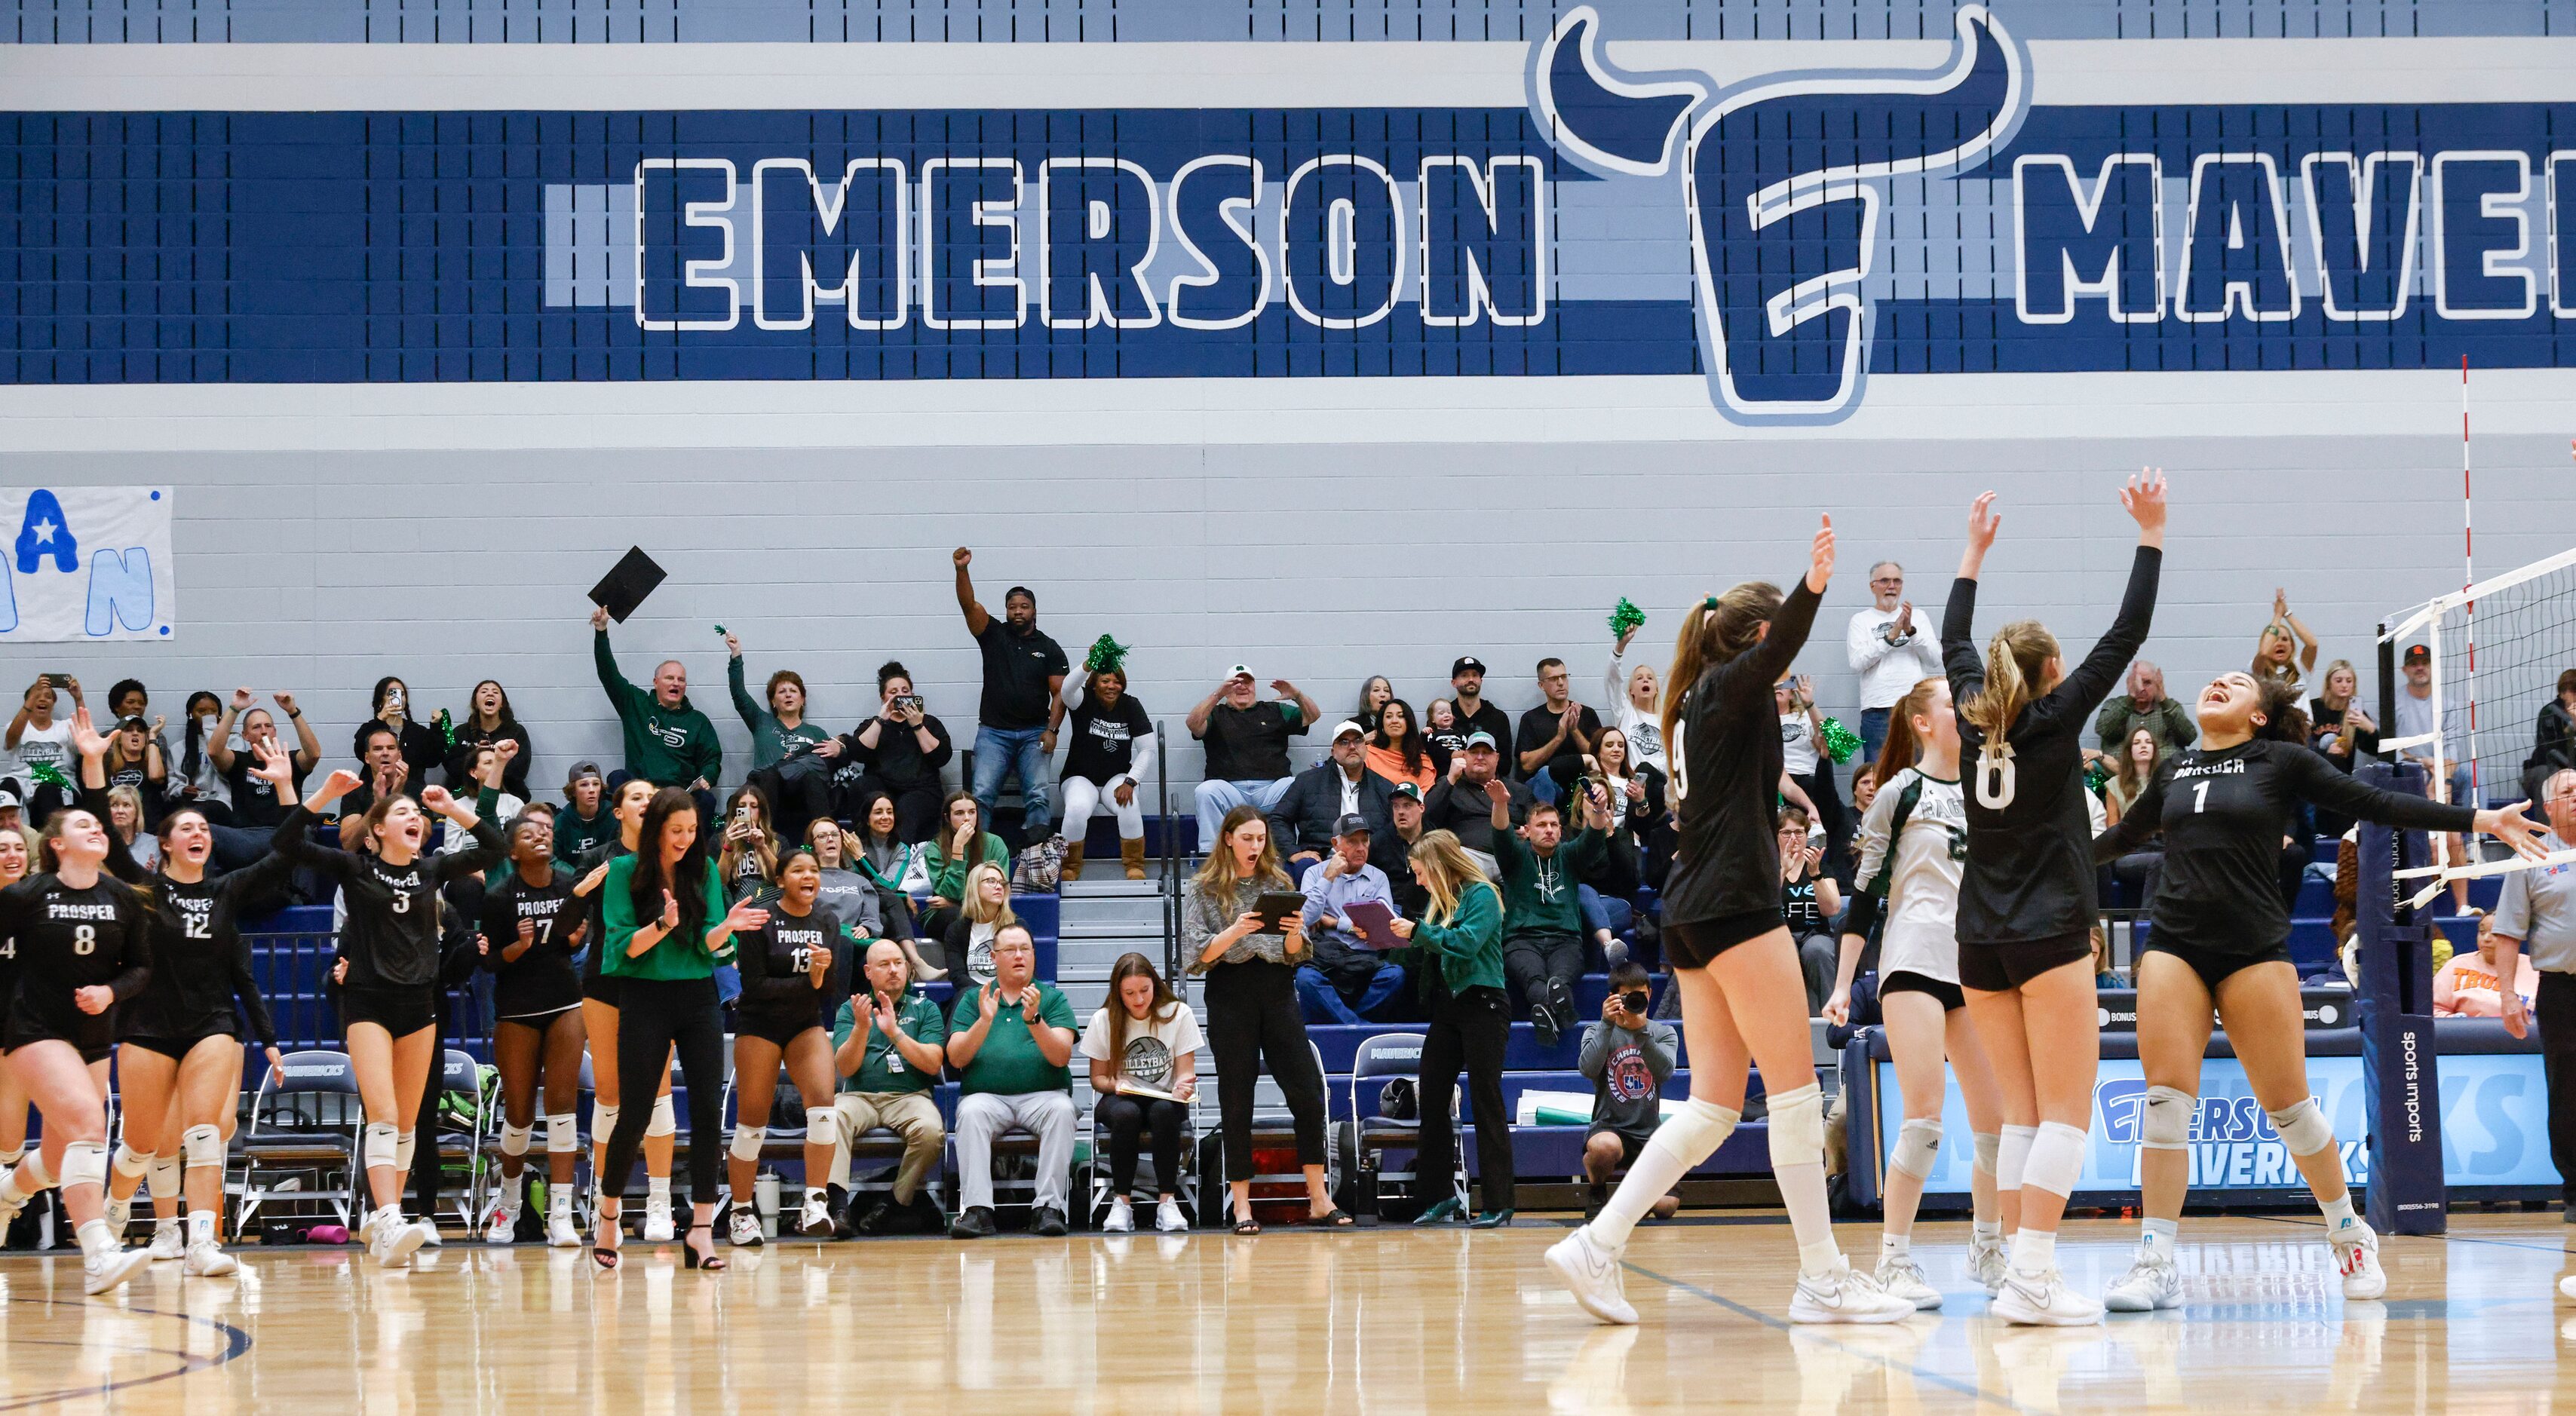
(68, 939)
(542, 979)
(1725, 752)
(2029, 876)
(390, 936)
(777, 958)
(2223, 814)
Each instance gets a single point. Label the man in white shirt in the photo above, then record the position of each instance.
(2415, 718)
(1891, 650)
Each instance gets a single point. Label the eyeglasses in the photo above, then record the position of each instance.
(1888, 580)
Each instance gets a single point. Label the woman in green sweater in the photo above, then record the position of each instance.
(1458, 948)
(666, 928)
(961, 845)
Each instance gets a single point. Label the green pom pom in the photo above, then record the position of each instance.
(46, 774)
(1625, 617)
(1840, 741)
(1106, 653)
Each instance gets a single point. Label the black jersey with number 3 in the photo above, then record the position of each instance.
(2224, 814)
(390, 936)
(1725, 752)
(542, 979)
(2029, 876)
(68, 939)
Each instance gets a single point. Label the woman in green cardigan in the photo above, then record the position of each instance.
(665, 929)
(961, 845)
(1458, 947)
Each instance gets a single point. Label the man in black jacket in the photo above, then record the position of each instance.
(1465, 808)
(1301, 825)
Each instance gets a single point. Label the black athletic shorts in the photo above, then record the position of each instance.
(1904, 981)
(399, 1011)
(178, 1048)
(542, 1021)
(2212, 965)
(775, 1025)
(601, 988)
(94, 1034)
(2000, 968)
(1629, 1145)
(1696, 945)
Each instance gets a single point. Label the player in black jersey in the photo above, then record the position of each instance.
(2026, 899)
(178, 1074)
(599, 995)
(2220, 936)
(793, 970)
(1744, 999)
(532, 928)
(84, 945)
(390, 944)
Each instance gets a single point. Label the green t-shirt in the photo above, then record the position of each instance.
(883, 1069)
(1009, 1063)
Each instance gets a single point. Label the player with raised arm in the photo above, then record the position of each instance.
(1744, 998)
(2221, 936)
(2026, 898)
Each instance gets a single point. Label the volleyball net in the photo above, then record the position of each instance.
(2493, 656)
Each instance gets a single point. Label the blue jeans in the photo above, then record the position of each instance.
(1004, 752)
(1873, 736)
(1322, 1003)
(1603, 911)
(1216, 798)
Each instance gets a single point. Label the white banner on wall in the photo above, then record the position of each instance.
(86, 563)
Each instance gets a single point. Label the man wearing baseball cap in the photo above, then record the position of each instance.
(1466, 805)
(1302, 825)
(1247, 745)
(585, 821)
(1345, 981)
(2415, 718)
(1467, 683)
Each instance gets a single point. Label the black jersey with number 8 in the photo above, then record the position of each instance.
(68, 939)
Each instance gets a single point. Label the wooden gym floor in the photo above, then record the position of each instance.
(1378, 1320)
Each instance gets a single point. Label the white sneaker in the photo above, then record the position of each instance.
(2044, 1300)
(502, 1225)
(814, 1220)
(208, 1260)
(429, 1233)
(1846, 1295)
(1592, 1274)
(1904, 1278)
(103, 1271)
(1168, 1218)
(2567, 1287)
(169, 1240)
(657, 1222)
(745, 1230)
(394, 1242)
(2356, 1250)
(1990, 1262)
(2152, 1283)
(560, 1231)
(1122, 1217)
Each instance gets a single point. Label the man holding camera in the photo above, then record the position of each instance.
(1628, 1058)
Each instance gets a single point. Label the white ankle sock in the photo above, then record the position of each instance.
(2338, 1213)
(1811, 1217)
(1987, 1231)
(1895, 1246)
(201, 1227)
(2159, 1235)
(96, 1240)
(2034, 1251)
(657, 1189)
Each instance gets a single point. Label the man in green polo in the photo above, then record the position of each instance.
(1010, 1041)
(888, 1045)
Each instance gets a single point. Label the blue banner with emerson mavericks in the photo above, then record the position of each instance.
(1785, 238)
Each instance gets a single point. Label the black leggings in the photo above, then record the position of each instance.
(1469, 1030)
(653, 1016)
(1125, 1117)
(2554, 1009)
(1253, 1018)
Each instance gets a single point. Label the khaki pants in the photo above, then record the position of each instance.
(911, 1115)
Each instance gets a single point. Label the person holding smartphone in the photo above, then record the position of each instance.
(1810, 900)
(1627, 1057)
(898, 753)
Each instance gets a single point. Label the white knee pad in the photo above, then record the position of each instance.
(2304, 1127)
(603, 1121)
(131, 1164)
(666, 1119)
(405, 1145)
(31, 1176)
(1694, 1133)
(377, 1143)
(12, 1156)
(2056, 1161)
(84, 1163)
(563, 1134)
(202, 1146)
(747, 1141)
(1798, 1126)
(1988, 1143)
(2168, 1123)
(1918, 1145)
(167, 1179)
(822, 1125)
(2012, 1155)
(514, 1139)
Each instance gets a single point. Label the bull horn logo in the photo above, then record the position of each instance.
(1785, 178)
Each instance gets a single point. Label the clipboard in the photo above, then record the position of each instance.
(1275, 906)
(1374, 924)
(1129, 1088)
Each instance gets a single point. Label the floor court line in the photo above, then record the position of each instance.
(236, 1343)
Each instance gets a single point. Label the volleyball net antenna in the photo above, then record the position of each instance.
(2496, 650)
